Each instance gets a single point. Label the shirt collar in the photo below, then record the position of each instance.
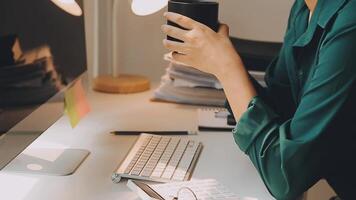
(329, 9)
(323, 13)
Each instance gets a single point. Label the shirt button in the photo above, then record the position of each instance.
(301, 73)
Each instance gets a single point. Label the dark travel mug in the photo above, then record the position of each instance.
(205, 12)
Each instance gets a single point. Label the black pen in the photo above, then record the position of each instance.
(155, 132)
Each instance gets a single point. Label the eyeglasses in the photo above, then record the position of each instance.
(185, 193)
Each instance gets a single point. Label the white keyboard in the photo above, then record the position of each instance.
(160, 158)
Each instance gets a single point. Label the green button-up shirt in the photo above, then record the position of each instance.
(302, 128)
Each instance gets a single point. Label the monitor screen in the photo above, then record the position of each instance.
(42, 51)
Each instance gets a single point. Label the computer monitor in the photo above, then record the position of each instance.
(42, 53)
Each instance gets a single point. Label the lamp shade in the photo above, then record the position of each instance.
(70, 6)
(147, 7)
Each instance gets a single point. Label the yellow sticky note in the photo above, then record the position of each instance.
(76, 104)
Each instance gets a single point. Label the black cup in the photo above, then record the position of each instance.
(205, 12)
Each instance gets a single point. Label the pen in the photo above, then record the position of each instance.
(155, 132)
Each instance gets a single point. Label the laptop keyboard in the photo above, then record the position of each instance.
(160, 158)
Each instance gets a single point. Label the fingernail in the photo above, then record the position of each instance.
(165, 14)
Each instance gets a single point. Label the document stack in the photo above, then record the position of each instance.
(259, 76)
(186, 85)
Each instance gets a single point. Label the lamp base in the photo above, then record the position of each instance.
(123, 84)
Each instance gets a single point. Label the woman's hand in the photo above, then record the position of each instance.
(203, 48)
(211, 52)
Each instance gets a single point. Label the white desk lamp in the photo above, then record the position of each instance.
(118, 83)
(69, 6)
(147, 7)
(124, 83)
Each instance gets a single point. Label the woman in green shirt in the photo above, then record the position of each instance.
(302, 127)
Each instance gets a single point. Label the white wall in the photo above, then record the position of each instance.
(256, 19)
(140, 38)
(90, 29)
(99, 55)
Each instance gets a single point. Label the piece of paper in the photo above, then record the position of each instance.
(76, 104)
(196, 189)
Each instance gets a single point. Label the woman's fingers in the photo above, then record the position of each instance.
(181, 20)
(174, 32)
(175, 46)
(169, 57)
(180, 58)
(224, 30)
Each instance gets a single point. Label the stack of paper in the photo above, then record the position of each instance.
(259, 77)
(190, 77)
(187, 85)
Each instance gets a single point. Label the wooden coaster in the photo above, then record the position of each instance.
(123, 84)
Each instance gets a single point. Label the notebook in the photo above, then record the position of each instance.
(191, 190)
(214, 119)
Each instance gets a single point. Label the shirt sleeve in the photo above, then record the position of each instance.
(280, 148)
(276, 87)
(274, 82)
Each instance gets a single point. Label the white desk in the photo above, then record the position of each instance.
(220, 159)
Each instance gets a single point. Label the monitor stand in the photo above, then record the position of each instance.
(55, 162)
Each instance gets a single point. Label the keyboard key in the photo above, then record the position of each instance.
(172, 165)
(137, 169)
(147, 171)
(144, 142)
(163, 162)
(185, 162)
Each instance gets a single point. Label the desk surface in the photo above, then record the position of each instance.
(220, 159)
